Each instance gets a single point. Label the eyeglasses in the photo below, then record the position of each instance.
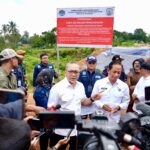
(73, 71)
(92, 62)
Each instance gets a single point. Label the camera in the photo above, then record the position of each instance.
(95, 133)
(53, 119)
(99, 133)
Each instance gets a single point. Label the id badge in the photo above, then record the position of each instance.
(89, 88)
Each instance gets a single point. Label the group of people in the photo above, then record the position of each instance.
(112, 91)
(15, 133)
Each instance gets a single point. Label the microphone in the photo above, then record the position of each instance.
(53, 108)
(144, 108)
(129, 139)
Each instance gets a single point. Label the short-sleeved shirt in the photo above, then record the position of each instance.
(7, 80)
(69, 98)
(113, 95)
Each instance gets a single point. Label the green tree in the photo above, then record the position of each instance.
(37, 41)
(25, 38)
(140, 35)
(2, 43)
(4, 30)
(12, 27)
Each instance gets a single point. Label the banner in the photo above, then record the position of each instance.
(85, 27)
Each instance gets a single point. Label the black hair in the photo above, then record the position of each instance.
(114, 63)
(43, 54)
(14, 134)
(140, 61)
(45, 78)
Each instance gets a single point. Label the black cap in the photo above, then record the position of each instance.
(117, 57)
(145, 65)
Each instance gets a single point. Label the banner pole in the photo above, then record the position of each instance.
(58, 59)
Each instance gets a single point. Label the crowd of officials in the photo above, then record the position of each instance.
(111, 91)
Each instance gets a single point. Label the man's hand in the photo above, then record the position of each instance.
(97, 96)
(62, 142)
(33, 108)
(117, 108)
(107, 108)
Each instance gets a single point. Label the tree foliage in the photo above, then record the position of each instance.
(10, 37)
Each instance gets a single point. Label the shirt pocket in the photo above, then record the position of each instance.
(118, 95)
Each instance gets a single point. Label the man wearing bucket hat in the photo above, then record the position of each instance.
(8, 61)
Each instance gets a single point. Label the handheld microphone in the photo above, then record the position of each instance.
(129, 139)
(53, 108)
(144, 108)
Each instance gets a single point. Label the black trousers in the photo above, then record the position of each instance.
(72, 142)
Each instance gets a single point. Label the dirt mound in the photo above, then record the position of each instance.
(95, 53)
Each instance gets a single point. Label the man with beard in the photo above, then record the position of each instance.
(9, 61)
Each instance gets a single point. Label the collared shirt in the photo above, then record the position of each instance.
(69, 98)
(38, 68)
(88, 79)
(140, 90)
(113, 95)
(7, 81)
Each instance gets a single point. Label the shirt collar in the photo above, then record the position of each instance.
(108, 81)
(67, 84)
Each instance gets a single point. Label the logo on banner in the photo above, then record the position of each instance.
(109, 11)
(61, 12)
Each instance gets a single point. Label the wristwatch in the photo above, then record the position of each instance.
(92, 100)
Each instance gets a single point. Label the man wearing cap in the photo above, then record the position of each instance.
(117, 58)
(88, 77)
(9, 61)
(139, 91)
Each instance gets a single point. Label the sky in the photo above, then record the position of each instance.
(37, 16)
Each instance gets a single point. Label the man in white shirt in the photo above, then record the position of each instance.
(139, 91)
(69, 93)
(114, 93)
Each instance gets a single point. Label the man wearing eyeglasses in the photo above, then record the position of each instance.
(70, 94)
(88, 77)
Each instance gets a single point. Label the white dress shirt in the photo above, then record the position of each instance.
(139, 90)
(69, 98)
(112, 95)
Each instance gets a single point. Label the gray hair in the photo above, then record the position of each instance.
(70, 63)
